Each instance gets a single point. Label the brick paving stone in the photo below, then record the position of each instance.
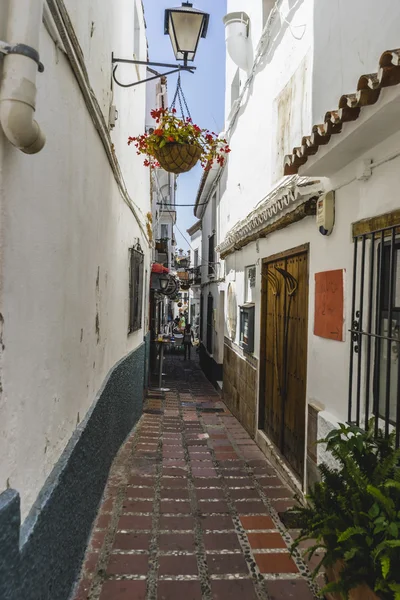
(227, 564)
(176, 542)
(123, 590)
(216, 522)
(242, 589)
(131, 541)
(177, 565)
(221, 541)
(207, 507)
(174, 590)
(275, 563)
(175, 508)
(257, 522)
(250, 507)
(128, 564)
(291, 589)
(265, 541)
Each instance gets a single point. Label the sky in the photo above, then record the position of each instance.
(204, 91)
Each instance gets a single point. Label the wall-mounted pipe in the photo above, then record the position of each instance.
(18, 85)
(237, 38)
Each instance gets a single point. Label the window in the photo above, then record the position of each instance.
(164, 231)
(196, 259)
(135, 288)
(375, 331)
(250, 283)
(210, 310)
(211, 257)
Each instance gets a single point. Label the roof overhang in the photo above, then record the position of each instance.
(194, 228)
(205, 188)
(285, 198)
(342, 124)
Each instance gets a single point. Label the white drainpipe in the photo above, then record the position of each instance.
(18, 86)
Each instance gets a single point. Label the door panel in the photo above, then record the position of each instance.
(285, 283)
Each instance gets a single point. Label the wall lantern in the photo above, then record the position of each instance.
(185, 26)
(184, 263)
(163, 281)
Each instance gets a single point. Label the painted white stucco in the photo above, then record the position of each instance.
(65, 238)
(313, 53)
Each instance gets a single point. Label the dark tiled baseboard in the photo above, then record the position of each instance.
(52, 540)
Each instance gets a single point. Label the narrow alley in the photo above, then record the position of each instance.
(191, 508)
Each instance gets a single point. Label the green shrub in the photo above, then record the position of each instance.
(353, 513)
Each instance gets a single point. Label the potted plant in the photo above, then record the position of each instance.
(177, 144)
(353, 514)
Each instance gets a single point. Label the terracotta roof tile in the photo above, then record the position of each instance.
(368, 90)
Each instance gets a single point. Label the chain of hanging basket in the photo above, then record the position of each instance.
(180, 96)
(179, 158)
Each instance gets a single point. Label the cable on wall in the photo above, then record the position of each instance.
(75, 56)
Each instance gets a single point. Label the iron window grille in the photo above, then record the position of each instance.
(374, 383)
(135, 288)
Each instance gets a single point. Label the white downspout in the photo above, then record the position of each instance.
(18, 86)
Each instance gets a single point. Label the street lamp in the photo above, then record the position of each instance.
(185, 25)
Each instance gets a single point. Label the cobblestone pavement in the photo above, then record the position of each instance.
(191, 508)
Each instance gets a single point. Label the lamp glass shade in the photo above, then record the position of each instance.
(164, 281)
(185, 25)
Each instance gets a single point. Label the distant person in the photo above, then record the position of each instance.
(188, 337)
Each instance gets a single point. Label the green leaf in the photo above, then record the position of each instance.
(162, 143)
(350, 532)
(374, 510)
(393, 530)
(385, 565)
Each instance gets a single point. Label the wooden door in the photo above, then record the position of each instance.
(284, 354)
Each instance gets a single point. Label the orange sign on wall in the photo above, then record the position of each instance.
(329, 303)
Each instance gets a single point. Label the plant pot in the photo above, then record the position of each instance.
(178, 158)
(362, 592)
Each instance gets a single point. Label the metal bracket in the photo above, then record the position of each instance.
(24, 50)
(175, 69)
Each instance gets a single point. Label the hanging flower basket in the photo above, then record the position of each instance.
(177, 158)
(177, 144)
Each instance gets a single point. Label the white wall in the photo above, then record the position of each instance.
(65, 239)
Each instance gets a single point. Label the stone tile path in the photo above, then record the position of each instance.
(191, 509)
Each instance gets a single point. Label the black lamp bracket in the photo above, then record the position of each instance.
(174, 69)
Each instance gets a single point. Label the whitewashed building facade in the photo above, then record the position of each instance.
(310, 307)
(74, 277)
